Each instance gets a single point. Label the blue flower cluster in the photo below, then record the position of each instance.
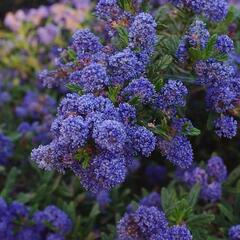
(210, 178)
(17, 223)
(197, 36)
(172, 95)
(120, 66)
(214, 10)
(222, 93)
(179, 151)
(6, 149)
(112, 16)
(178, 148)
(224, 44)
(107, 134)
(96, 139)
(226, 126)
(151, 200)
(97, 135)
(150, 223)
(36, 111)
(234, 232)
(218, 78)
(141, 88)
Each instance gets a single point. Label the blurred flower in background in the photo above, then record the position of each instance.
(235, 2)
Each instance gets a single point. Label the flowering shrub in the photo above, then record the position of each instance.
(141, 139)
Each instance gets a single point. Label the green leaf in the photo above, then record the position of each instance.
(221, 57)
(134, 100)
(125, 5)
(193, 195)
(164, 62)
(199, 225)
(95, 211)
(145, 6)
(25, 197)
(193, 132)
(113, 93)
(159, 131)
(179, 212)
(15, 136)
(122, 37)
(168, 45)
(70, 210)
(196, 54)
(233, 177)
(74, 88)
(199, 221)
(159, 83)
(83, 156)
(10, 182)
(210, 46)
(168, 199)
(230, 16)
(227, 212)
(215, 238)
(72, 54)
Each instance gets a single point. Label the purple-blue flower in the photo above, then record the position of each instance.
(179, 151)
(151, 200)
(85, 42)
(142, 89)
(142, 224)
(143, 140)
(142, 34)
(214, 10)
(224, 44)
(127, 113)
(172, 95)
(36, 105)
(220, 99)
(92, 78)
(55, 217)
(180, 232)
(110, 135)
(74, 132)
(197, 35)
(196, 176)
(217, 169)
(226, 126)
(212, 192)
(103, 199)
(108, 10)
(123, 67)
(234, 232)
(104, 172)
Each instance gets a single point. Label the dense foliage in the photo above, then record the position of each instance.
(122, 124)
